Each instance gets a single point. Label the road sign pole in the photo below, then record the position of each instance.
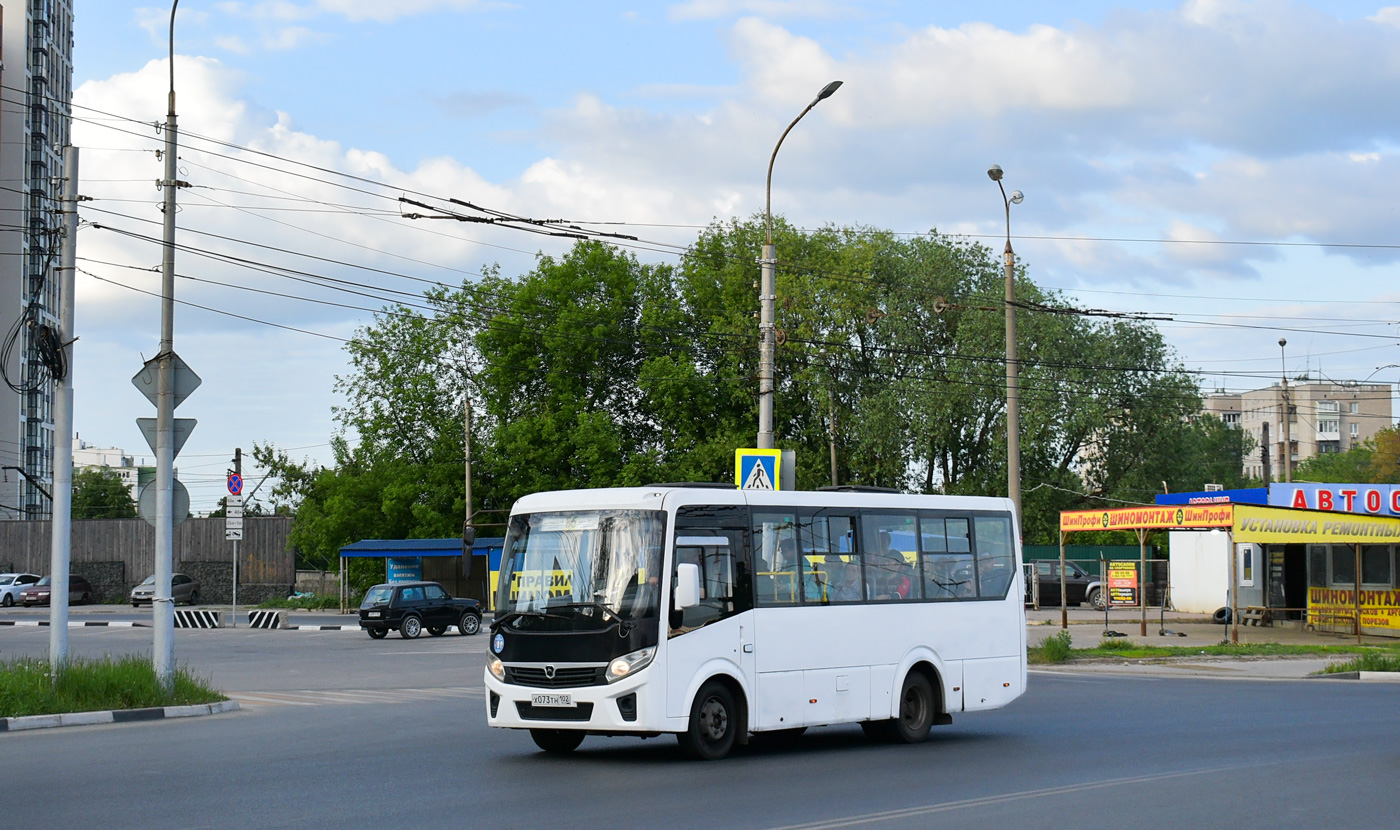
(235, 584)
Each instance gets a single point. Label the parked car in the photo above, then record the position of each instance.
(410, 607)
(1080, 585)
(12, 584)
(79, 591)
(182, 589)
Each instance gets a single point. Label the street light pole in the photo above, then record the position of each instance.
(1013, 402)
(162, 606)
(767, 293)
(1287, 430)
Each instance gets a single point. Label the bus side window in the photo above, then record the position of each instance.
(996, 555)
(888, 542)
(830, 566)
(777, 580)
(949, 571)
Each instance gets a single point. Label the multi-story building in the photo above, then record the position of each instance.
(1324, 416)
(36, 85)
(135, 472)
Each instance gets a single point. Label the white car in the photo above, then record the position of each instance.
(12, 584)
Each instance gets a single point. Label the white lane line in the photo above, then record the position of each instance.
(916, 812)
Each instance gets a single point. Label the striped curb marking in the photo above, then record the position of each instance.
(354, 696)
(198, 618)
(116, 716)
(73, 624)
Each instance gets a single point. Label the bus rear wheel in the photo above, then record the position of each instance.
(713, 724)
(557, 741)
(916, 704)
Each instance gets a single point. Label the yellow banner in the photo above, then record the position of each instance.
(1337, 606)
(1281, 525)
(1133, 518)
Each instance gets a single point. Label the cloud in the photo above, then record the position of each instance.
(465, 104)
(775, 9)
(380, 11)
(291, 37)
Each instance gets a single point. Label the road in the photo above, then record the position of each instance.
(338, 730)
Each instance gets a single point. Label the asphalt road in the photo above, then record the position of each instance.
(339, 730)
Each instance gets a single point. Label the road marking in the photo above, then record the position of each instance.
(331, 697)
(915, 812)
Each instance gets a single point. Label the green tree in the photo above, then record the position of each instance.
(99, 493)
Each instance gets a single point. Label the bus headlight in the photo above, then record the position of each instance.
(627, 664)
(497, 668)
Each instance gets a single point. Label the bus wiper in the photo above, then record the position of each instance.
(516, 615)
(625, 626)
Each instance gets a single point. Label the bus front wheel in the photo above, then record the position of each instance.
(713, 724)
(557, 741)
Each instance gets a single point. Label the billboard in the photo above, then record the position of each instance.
(1369, 499)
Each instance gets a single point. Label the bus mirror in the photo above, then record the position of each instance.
(468, 542)
(687, 586)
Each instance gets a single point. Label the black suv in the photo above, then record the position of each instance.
(410, 607)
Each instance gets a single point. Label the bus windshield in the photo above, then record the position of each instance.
(597, 565)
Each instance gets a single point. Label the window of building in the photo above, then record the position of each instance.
(1375, 564)
(1328, 406)
(1355, 408)
(1343, 565)
(1245, 554)
(1328, 425)
(1355, 430)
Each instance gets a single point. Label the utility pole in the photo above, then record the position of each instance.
(1013, 399)
(62, 498)
(238, 471)
(1287, 428)
(162, 606)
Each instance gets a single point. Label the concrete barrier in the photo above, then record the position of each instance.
(267, 618)
(198, 618)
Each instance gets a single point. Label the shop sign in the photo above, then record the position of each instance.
(1270, 525)
(1372, 499)
(1379, 608)
(1122, 583)
(1132, 518)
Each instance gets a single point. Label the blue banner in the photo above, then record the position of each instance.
(405, 568)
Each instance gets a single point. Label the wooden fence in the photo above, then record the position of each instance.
(265, 555)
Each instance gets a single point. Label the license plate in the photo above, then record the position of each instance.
(558, 701)
(372, 614)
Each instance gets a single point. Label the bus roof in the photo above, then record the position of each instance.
(660, 497)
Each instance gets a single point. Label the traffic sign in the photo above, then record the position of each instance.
(235, 484)
(233, 534)
(182, 427)
(147, 380)
(758, 469)
(233, 507)
(180, 497)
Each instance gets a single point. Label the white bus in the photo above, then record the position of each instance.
(713, 613)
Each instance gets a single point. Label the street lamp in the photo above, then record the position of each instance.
(768, 291)
(1013, 404)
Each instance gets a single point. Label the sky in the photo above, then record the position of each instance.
(1231, 165)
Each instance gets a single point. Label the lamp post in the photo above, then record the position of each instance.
(1287, 431)
(768, 292)
(1013, 403)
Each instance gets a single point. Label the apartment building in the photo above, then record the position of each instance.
(1324, 416)
(135, 472)
(36, 85)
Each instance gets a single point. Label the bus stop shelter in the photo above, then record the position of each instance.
(439, 560)
(1352, 561)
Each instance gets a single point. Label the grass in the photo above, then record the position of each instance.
(1056, 649)
(315, 602)
(1369, 660)
(28, 688)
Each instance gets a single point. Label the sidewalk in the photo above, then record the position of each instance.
(1086, 629)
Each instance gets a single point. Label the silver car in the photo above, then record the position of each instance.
(12, 584)
(182, 589)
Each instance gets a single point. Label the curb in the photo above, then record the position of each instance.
(75, 624)
(115, 716)
(1371, 676)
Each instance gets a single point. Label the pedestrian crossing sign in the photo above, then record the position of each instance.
(757, 469)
